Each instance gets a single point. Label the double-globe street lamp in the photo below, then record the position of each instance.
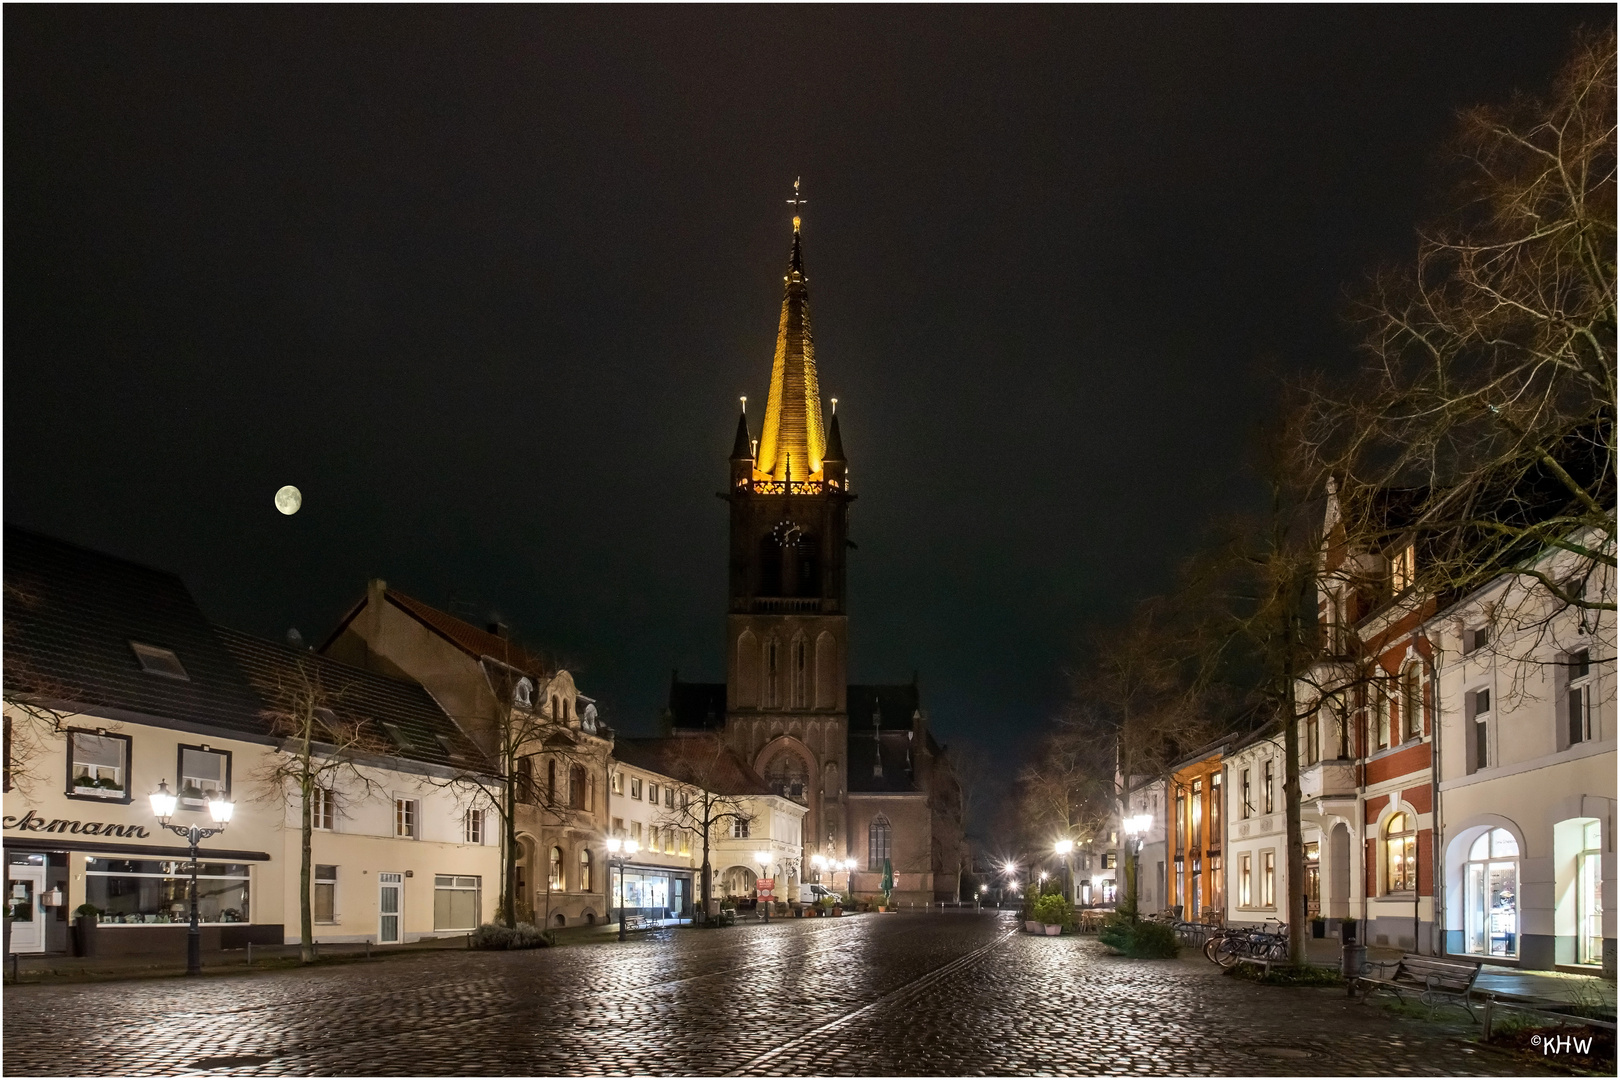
(617, 852)
(163, 805)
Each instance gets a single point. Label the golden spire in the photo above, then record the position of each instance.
(792, 441)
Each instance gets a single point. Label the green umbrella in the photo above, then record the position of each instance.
(888, 880)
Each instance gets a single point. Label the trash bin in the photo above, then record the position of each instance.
(1351, 963)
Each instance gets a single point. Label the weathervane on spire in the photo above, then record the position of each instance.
(796, 202)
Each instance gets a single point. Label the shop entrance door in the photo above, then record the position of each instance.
(678, 899)
(389, 904)
(24, 885)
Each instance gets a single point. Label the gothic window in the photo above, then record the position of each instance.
(773, 664)
(787, 776)
(747, 670)
(801, 672)
(826, 671)
(878, 843)
(576, 787)
(551, 783)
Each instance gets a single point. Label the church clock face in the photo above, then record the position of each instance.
(786, 533)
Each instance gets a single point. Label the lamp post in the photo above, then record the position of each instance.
(1135, 828)
(763, 858)
(978, 901)
(163, 804)
(1062, 849)
(849, 881)
(618, 851)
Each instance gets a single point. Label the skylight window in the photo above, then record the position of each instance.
(401, 740)
(156, 661)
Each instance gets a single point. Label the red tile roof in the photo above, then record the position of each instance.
(466, 636)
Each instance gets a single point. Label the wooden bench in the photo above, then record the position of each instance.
(1436, 981)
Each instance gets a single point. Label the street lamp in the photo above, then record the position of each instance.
(764, 860)
(618, 851)
(1062, 849)
(163, 804)
(1135, 827)
(849, 881)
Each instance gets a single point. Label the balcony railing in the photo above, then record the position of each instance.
(789, 605)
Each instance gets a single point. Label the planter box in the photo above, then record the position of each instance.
(1054, 929)
(1033, 927)
(1319, 929)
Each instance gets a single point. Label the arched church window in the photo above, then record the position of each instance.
(801, 672)
(878, 843)
(787, 776)
(576, 787)
(772, 674)
(551, 783)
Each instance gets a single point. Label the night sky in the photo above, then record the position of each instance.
(486, 284)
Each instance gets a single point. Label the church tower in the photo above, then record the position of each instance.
(787, 627)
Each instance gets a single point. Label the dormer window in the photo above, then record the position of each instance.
(158, 661)
(523, 693)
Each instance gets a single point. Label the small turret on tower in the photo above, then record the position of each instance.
(834, 468)
(742, 451)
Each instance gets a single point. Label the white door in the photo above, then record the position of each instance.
(23, 888)
(390, 905)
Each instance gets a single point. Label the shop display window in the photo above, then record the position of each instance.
(147, 891)
(456, 901)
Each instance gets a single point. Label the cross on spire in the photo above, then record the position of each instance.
(796, 202)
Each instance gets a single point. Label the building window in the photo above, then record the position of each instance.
(1313, 879)
(770, 673)
(1310, 748)
(652, 838)
(1478, 705)
(1181, 886)
(1381, 704)
(800, 673)
(635, 787)
(204, 775)
(1268, 879)
(1578, 699)
(1589, 896)
(1215, 829)
(584, 869)
(1476, 638)
(618, 826)
(456, 903)
(154, 891)
(8, 753)
(618, 783)
(1491, 893)
(1411, 702)
(322, 809)
(878, 841)
(525, 780)
(578, 788)
(1181, 821)
(1400, 854)
(1402, 570)
(686, 842)
(1217, 884)
(669, 798)
(523, 693)
(1245, 881)
(156, 661)
(652, 793)
(1198, 815)
(1110, 860)
(551, 782)
(556, 877)
(1341, 724)
(323, 894)
(1248, 803)
(406, 813)
(739, 828)
(1266, 784)
(472, 827)
(97, 765)
(635, 831)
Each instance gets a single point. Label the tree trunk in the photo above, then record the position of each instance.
(306, 918)
(509, 868)
(708, 874)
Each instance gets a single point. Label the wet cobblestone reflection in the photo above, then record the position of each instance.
(940, 994)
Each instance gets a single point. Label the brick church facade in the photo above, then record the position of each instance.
(860, 757)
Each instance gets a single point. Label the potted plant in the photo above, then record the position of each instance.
(85, 917)
(1347, 931)
(1318, 927)
(1051, 912)
(84, 780)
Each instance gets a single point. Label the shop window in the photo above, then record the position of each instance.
(323, 894)
(1268, 879)
(456, 901)
(1589, 895)
(584, 869)
(158, 661)
(205, 774)
(1478, 706)
(1491, 895)
(556, 877)
(878, 843)
(1400, 854)
(472, 827)
(98, 765)
(322, 808)
(144, 891)
(406, 814)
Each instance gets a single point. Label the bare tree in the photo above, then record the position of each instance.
(701, 769)
(35, 703)
(1487, 398)
(318, 759)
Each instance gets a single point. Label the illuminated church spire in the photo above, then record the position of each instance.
(793, 439)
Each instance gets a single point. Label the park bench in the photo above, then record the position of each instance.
(636, 922)
(1434, 980)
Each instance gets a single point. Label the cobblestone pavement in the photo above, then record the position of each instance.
(900, 994)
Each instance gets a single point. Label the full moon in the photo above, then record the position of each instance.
(288, 500)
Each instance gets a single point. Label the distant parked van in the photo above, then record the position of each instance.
(813, 894)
